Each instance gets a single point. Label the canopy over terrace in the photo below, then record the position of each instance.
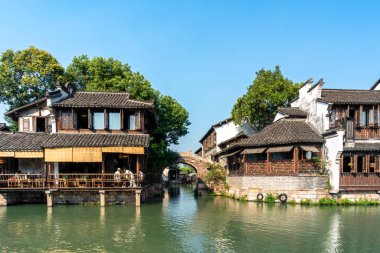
(22, 153)
(95, 148)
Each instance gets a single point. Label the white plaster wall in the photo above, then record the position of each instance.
(230, 130)
(317, 111)
(32, 166)
(333, 149)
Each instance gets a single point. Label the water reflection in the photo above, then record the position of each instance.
(333, 239)
(183, 223)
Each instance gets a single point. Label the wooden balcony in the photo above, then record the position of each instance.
(69, 181)
(276, 168)
(360, 181)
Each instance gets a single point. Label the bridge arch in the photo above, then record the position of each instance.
(199, 163)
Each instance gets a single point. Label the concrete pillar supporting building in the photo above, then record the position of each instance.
(102, 198)
(49, 198)
(137, 197)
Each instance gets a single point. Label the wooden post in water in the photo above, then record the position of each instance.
(102, 198)
(137, 196)
(49, 198)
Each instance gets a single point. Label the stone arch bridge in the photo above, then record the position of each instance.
(199, 163)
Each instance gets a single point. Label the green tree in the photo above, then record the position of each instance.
(101, 74)
(26, 75)
(269, 90)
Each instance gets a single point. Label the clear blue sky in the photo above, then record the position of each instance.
(206, 53)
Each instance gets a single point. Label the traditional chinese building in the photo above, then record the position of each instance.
(325, 131)
(77, 140)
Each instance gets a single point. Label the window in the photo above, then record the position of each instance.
(347, 163)
(361, 164)
(372, 164)
(114, 120)
(40, 125)
(98, 119)
(83, 119)
(364, 118)
(66, 121)
(281, 156)
(132, 122)
(371, 117)
(256, 157)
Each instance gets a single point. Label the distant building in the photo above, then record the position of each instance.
(220, 136)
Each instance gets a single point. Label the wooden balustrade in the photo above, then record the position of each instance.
(283, 167)
(256, 168)
(69, 180)
(22, 181)
(364, 181)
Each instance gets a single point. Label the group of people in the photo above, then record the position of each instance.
(128, 176)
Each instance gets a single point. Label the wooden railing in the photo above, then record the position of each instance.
(360, 181)
(277, 168)
(70, 180)
(22, 181)
(256, 168)
(307, 166)
(284, 167)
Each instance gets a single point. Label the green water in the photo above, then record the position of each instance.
(185, 224)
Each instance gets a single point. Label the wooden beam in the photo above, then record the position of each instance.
(134, 150)
(7, 154)
(295, 159)
(37, 154)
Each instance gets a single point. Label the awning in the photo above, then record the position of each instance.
(22, 154)
(310, 148)
(280, 149)
(253, 151)
(231, 154)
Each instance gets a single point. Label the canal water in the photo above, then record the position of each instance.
(183, 223)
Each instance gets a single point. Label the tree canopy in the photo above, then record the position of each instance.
(101, 74)
(26, 75)
(269, 90)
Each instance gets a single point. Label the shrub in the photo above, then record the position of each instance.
(306, 202)
(216, 176)
(345, 202)
(269, 198)
(292, 202)
(327, 202)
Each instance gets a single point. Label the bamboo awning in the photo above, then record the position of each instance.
(310, 148)
(280, 149)
(22, 154)
(87, 154)
(253, 151)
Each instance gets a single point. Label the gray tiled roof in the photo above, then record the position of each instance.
(362, 147)
(97, 140)
(292, 111)
(38, 141)
(22, 141)
(350, 96)
(103, 100)
(284, 131)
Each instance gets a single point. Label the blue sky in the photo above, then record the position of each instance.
(205, 53)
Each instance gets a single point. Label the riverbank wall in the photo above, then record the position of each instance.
(296, 188)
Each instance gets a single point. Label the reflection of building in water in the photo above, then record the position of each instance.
(102, 215)
(332, 243)
(3, 212)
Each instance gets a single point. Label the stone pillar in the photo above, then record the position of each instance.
(102, 198)
(49, 198)
(137, 196)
